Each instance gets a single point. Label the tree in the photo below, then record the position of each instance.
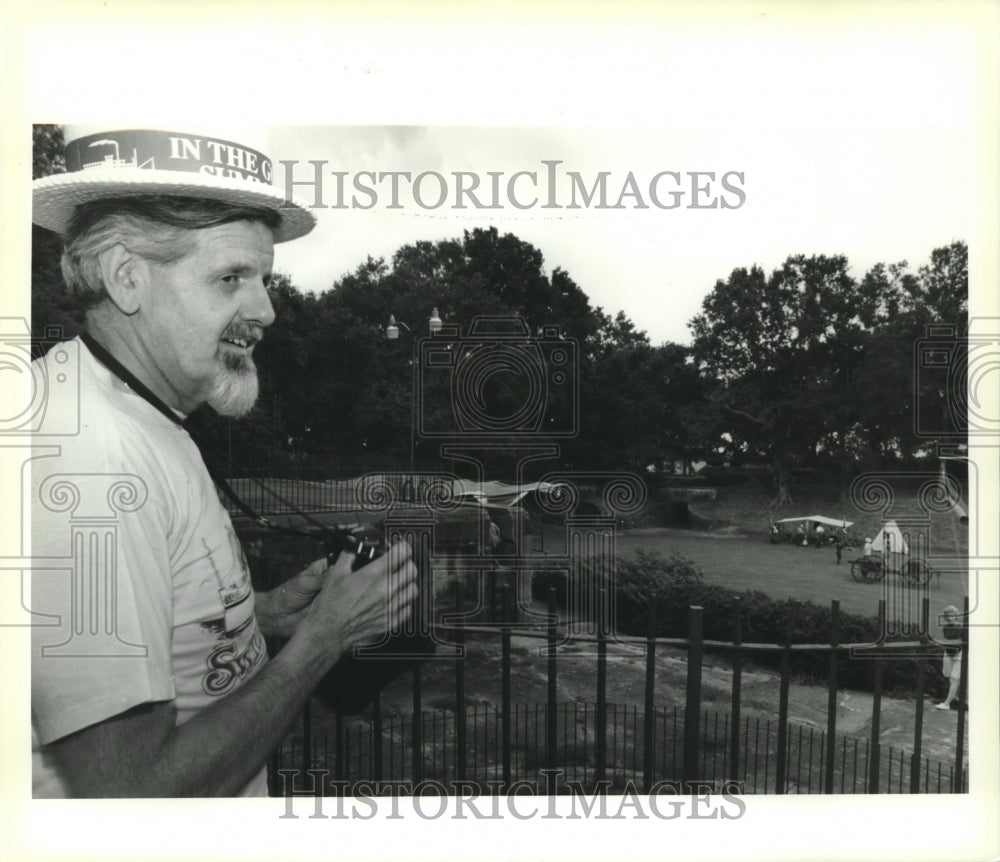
(48, 146)
(774, 347)
(349, 390)
(934, 300)
(55, 314)
(814, 368)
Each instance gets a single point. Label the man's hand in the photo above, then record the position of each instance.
(353, 608)
(281, 610)
(366, 603)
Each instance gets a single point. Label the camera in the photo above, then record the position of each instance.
(955, 382)
(359, 676)
(365, 545)
(497, 381)
(46, 400)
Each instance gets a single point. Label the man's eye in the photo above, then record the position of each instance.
(231, 279)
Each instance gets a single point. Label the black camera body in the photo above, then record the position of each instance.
(365, 546)
(360, 675)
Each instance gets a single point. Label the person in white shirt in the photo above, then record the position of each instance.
(172, 694)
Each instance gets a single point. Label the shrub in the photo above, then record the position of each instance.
(676, 584)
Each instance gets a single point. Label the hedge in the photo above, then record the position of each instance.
(676, 583)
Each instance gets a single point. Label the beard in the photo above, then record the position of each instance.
(234, 392)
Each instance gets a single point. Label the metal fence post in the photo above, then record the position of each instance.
(551, 724)
(601, 718)
(377, 736)
(647, 717)
(307, 737)
(781, 768)
(506, 717)
(918, 722)
(958, 784)
(692, 704)
(460, 715)
(874, 760)
(340, 771)
(417, 740)
(734, 741)
(831, 701)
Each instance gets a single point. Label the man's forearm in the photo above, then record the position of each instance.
(142, 753)
(218, 751)
(324, 612)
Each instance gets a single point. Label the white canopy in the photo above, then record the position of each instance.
(498, 493)
(819, 519)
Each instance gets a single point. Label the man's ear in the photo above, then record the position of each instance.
(124, 276)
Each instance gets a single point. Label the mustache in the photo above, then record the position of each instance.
(244, 332)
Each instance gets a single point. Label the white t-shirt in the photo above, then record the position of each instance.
(145, 585)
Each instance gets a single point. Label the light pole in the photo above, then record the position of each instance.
(392, 333)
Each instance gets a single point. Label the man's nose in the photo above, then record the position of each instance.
(259, 307)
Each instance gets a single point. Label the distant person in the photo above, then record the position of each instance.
(868, 547)
(800, 536)
(840, 548)
(951, 660)
(820, 535)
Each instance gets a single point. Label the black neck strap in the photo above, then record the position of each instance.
(104, 356)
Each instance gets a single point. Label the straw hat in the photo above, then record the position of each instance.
(125, 163)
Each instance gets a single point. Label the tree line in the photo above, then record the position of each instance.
(803, 367)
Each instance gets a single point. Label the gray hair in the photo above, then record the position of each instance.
(157, 228)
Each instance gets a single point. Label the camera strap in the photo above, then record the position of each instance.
(105, 357)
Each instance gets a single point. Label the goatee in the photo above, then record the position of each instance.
(235, 390)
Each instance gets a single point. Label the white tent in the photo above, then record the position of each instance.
(890, 539)
(499, 493)
(818, 519)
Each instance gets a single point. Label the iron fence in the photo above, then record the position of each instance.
(606, 746)
(363, 753)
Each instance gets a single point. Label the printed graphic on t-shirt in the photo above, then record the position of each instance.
(240, 647)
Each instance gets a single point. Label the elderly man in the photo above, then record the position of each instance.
(149, 672)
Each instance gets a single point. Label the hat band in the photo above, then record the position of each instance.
(167, 151)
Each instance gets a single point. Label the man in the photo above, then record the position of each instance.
(800, 536)
(149, 673)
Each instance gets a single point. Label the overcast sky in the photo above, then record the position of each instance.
(861, 186)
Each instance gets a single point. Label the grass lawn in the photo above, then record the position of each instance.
(784, 571)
